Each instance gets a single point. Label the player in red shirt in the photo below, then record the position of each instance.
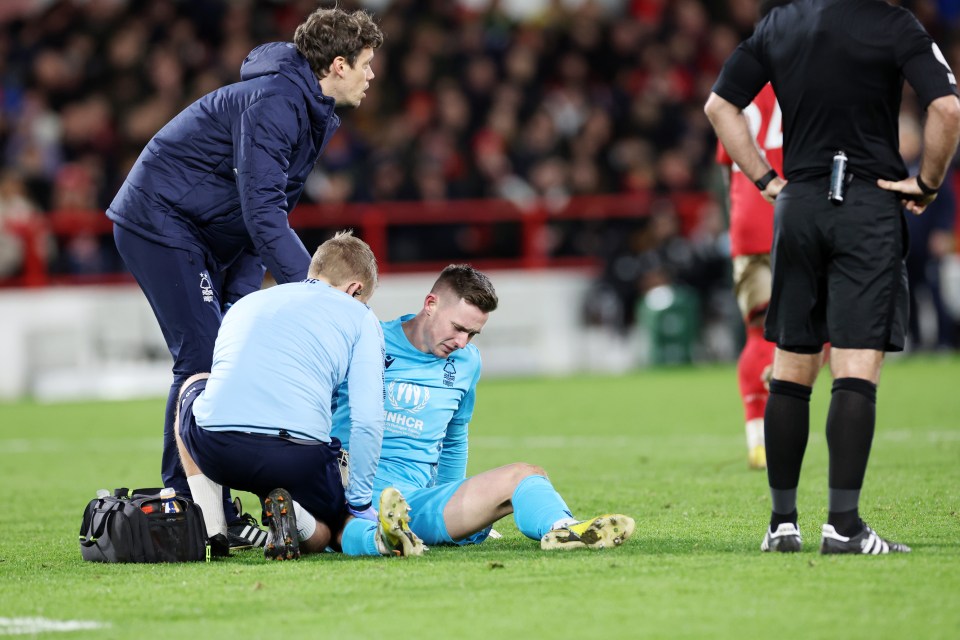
(751, 236)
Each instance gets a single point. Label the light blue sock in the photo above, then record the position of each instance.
(536, 506)
(359, 538)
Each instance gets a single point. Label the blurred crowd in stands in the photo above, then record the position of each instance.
(534, 101)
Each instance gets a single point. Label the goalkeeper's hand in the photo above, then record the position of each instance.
(366, 512)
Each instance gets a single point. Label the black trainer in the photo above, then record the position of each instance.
(786, 539)
(278, 512)
(867, 542)
(245, 533)
(218, 546)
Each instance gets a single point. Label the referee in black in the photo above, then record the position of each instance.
(837, 67)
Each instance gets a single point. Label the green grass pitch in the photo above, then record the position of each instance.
(666, 447)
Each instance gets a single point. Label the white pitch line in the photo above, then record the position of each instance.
(15, 446)
(924, 436)
(33, 626)
(91, 445)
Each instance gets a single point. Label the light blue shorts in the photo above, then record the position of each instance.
(426, 514)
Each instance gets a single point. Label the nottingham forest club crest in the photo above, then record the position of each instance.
(449, 373)
(206, 289)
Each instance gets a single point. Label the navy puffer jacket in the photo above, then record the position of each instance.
(223, 175)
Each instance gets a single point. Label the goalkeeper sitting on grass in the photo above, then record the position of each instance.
(431, 373)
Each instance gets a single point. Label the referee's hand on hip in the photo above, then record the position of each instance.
(773, 189)
(914, 199)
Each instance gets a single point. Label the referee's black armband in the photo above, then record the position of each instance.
(765, 179)
(925, 188)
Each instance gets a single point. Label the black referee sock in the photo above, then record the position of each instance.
(846, 523)
(786, 427)
(850, 425)
(776, 519)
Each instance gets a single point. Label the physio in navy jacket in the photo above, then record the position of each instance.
(204, 210)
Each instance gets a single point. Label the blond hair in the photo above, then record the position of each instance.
(344, 258)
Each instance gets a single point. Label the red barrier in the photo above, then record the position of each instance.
(374, 221)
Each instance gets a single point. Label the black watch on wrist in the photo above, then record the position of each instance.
(765, 179)
(925, 188)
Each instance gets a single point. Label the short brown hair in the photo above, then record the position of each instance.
(344, 258)
(328, 33)
(469, 284)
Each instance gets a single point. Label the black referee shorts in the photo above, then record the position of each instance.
(839, 274)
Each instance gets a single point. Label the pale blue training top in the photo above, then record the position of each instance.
(428, 408)
(279, 357)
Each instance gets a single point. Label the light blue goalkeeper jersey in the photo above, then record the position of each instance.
(428, 407)
(280, 355)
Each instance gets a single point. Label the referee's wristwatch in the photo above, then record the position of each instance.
(765, 179)
(926, 189)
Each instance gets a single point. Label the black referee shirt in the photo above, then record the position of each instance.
(837, 67)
